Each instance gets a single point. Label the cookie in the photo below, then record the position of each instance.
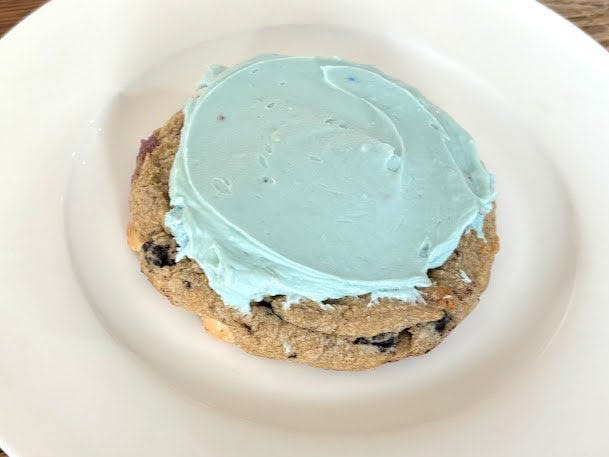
(349, 333)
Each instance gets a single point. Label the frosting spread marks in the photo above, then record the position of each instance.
(320, 178)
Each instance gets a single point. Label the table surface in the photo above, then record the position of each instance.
(591, 15)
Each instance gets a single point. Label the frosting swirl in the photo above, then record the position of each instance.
(320, 178)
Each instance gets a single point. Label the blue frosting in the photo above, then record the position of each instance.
(320, 178)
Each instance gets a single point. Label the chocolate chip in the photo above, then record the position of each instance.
(158, 255)
(186, 283)
(384, 341)
(441, 324)
(292, 356)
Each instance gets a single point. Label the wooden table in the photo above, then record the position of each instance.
(591, 15)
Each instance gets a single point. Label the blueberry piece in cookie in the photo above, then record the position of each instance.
(441, 325)
(159, 255)
(384, 341)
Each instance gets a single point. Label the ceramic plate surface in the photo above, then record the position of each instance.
(95, 362)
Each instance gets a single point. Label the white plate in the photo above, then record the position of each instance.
(94, 362)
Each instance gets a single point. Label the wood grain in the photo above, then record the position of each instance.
(591, 15)
(12, 11)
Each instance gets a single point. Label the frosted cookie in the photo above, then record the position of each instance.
(315, 210)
